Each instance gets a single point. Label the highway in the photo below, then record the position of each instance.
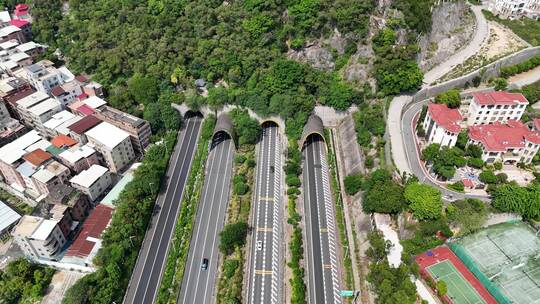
(265, 277)
(199, 285)
(322, 264)
(146, 277)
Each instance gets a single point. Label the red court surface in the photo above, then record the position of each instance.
(442, 253)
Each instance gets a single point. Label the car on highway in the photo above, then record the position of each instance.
(204, 264)
(272, 169)
(259, 245)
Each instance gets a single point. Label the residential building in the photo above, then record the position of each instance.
(61, 214)
(515, 9)
(42, 112)
(90, 88)
(93, 182)
(49, 176)
(10, 129)
(32, 49)
(87, 243)
(43, 76)
(113, 143)
(39, 238)
(508, 143)
(12, 90)
(78, 203)
(63, 141)
(8, 218)
(67, 92)
(33, 161)
(11, 157)
(11, 32)
(5, 18)
(24, 104)
(22, 12)
(79, 158)
(78, 129)
(4, 113)
(24, 26)
(137, 128)
(486, 108)
(51, 125)
(442, 124)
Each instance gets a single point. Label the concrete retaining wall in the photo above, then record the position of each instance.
(489, 71)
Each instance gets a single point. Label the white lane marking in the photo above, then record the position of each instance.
(276, 223)
(163, 231)
(202, 207)
(319, 222)
(257, 207)
(331, 226)
(266, 206)
(224, 191)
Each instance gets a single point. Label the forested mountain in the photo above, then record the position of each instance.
(166, 44)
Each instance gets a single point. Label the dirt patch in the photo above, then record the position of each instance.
(60, 283)
(501, 42)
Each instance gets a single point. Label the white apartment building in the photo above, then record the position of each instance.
(39, 238)
(113, 143)
(487, 108)
(56, 121)
(27, 102)
(43, 76)
(509, 143)
(11, 156)
(67, 92)
(93, 181)
(514, 9)
(42, 112)
(442, 124)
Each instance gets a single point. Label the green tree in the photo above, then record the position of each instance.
(232, 235)
(450, 98)
(468, 215)
(143, 89)
(442, 289)
(353, 183)
(500, 84)
(488, 177)
(462, 139)
(431, 152)
(384, 197)
(424, 201)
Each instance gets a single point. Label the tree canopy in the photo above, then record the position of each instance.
(424, 201)
(24, 282)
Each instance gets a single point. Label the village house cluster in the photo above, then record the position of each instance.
(61, 146)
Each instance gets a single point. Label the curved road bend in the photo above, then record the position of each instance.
(146, 277)
(198, 285)
(265, 279)
(322, 264)
(413, 155)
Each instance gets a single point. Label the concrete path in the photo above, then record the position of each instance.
(481, 33)
(394, 131)
(523, 79)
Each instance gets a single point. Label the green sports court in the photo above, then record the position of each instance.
(459, 289)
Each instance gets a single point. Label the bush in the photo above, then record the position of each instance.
(424, 201)
(353, 183)
(475, 163)
(292, 181)
(369, 162)
(520, 67)
(498, 165)
(488, 177)
(457, 186)
(450, 98)
(232, 235)
(239, 159)
(442, 289)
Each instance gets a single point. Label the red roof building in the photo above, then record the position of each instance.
(37, 157)
(445, 117)
(499, 98)
(510, 143)
(19, 23)
(536, 124)
(442, 124)
(85, 124)
(90, 233)
(62, 141)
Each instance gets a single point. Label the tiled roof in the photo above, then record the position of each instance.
(500, 98)
(86, 123)
(498, 137)
(57, 91)
(92, 228)
(63, 141)
(19, 22)
(37, 157)
(86, 110)
(445, 117)
(536, 124)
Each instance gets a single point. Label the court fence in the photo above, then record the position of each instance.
(469, 262)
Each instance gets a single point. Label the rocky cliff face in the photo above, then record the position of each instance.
(452, 27)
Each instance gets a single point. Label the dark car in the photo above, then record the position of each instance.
(204, 264)
(272, 169)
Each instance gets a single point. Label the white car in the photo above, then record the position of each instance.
(259, 245)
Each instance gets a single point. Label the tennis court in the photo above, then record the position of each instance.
(506, 259)
(459, 290)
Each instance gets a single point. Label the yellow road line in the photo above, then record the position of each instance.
(263, 272)
(264, 229)
(266, 198)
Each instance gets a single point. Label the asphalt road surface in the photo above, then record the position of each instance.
(323, 282)
(146, 277)
(413, 156)
(199, 285)
(265, 277)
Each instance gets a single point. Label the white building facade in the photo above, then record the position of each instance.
(515, 9)
(441, 125)
(487, 108)
(39, 238)
(113, 143)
